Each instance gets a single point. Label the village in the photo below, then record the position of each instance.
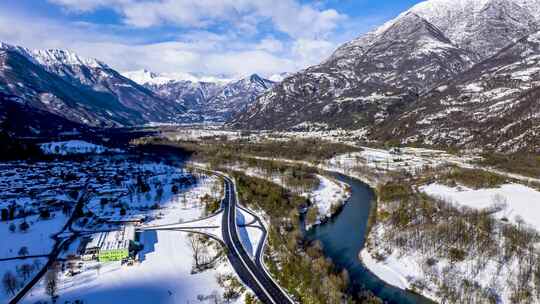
(111, 195)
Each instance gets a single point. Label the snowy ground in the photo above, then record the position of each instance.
(521, 201)
(37, 238)
(411, 160)
(12, 266)
(329, 193)
(164, 273)
(398, 269)
(408, 270)
(405, 269)
(394, 270)
(74, 147)
(183, 206)
(163, 276)
(249, 233)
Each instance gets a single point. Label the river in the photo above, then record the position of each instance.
(343, 237)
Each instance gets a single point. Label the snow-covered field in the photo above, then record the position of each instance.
(249, 232)
(406, 269)
(74, 147)
(521, 201)
(329, 193)
(163, 276)
(12, 266)
(394, 270)
(37, 239)
(183, 206)
(411, 160)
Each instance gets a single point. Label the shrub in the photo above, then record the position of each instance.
(394, 191)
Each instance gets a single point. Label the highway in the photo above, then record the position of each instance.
(250, 272)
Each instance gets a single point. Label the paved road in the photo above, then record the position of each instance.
(250, 272)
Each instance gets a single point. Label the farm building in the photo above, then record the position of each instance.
(111, 246)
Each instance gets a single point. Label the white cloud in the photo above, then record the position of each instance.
(87, 5)
(288, 16)
(311, 52)
(238, 50)
(197, 52)
(271, 45)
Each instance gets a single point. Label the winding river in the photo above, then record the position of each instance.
(343, 237)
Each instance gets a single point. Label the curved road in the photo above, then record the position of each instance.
(253, 274)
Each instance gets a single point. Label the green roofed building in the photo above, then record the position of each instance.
(112, 246)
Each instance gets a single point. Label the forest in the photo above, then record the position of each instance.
(461, 248)
(299, 266)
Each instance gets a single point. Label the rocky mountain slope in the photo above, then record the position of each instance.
(78, 89)
(236, 96)
(206, 99)
(18, 119)
(359, 89)
(496, 104)
(370, 82)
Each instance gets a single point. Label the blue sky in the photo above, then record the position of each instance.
(207, 37)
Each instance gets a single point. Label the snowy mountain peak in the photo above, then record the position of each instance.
(481, 26)
(255, 78)
(64, 57)
(144, 76)
(278, 77)
(413, 24)
(53, 57)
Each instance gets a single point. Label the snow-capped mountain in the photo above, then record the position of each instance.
(482, 26)
(279, 77)
(237, 96)
(206, 98)
(352, 90)
(79, 89)
(145, 77)
(371, 81)
(495, 105)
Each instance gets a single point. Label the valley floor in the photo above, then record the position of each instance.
(166, 270)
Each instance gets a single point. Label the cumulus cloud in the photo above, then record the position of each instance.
(199, 52)
(288, 16)
(271, 45)
(263, 36)
(311, 52)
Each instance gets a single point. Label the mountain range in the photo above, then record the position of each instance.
(459, 72)
(207, 99)
(444, 73)
(87, 92)
(81, 90)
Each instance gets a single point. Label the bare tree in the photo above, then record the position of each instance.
(25, 270)
(10, 283)
(200, 252)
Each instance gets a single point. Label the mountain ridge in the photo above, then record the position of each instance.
(83, 90)
(371, 81)
(206, 98)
